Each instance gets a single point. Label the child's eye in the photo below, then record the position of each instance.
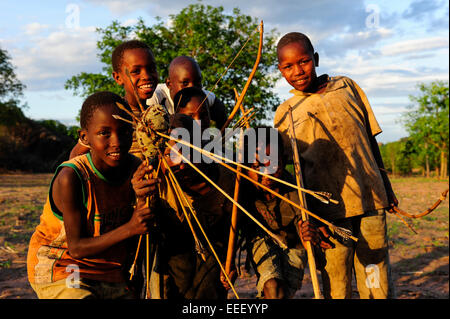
(103, 133)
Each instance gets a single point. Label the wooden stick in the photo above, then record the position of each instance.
(249, 80)
(298, 175)
(227, 68)
(312, 193)
(233, 226)
(275, 237)
(133, 266)
(404, 222)
(117, 117)
(199, 225)
(180, 200)
(147, 286)
(136, 96)
(123, 108)
(287, 200)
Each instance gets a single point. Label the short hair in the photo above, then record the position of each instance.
(181, 99)
(117, 54)
(97, 100)
(184, 60)
(295, 37)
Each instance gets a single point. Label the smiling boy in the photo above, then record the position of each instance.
(184, 72)
(335, 130)
(136, 57)
(79, 249)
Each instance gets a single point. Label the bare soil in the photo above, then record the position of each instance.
(420, 262)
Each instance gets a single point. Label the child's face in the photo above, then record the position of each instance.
(109, 139)
(297, 65)
(266, 167)
(198, 114)
(183, 76)
(142, 67)
(185, 175)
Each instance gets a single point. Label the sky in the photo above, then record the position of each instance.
(388, 47)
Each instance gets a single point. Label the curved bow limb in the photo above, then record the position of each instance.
(426, 212)
(249, 80)
(234, 214)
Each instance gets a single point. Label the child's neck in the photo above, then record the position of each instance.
(133, 103)
(113, 174)
(319, 85)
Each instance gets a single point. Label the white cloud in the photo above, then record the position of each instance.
(46, 62)
(414, 45)
(34, 28)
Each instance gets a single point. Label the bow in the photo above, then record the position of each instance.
(399, 212)
(232, 237)
(426, 212)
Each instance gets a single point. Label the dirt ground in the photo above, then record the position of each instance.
(420, 262)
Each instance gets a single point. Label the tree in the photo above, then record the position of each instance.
(11, 90)
(208, 35)
(428, 124)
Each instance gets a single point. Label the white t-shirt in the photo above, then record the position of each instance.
(162, 97)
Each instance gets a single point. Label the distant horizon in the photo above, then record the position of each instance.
(387, 47)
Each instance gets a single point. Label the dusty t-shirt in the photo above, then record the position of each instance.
(332, 130)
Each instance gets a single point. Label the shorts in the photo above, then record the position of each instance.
(82, 289)
(271, 261)
(368, 259)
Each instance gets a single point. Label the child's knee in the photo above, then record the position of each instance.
(273, 289)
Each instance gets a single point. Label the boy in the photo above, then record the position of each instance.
(80, 246)
(335, 129)
(279, 272)
(187, 275)
(138, 58)
(189, 101)
(185, 72)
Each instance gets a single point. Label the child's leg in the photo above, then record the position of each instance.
(337, 272)
(83, 289)
(294, 263)
(61, 290)
(268, 265)
(372, 267)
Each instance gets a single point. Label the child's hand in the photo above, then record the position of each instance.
(317, 236)
(141, 220)
(142, 186)
(393, 201)
(232, 275)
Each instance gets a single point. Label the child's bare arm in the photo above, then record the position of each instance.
(392, 199)
(67, 197)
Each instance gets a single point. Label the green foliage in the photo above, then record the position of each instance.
(60, 128)
(10, 86)
(208, 35)
(10, 113)
(428, 124)
(11, 90)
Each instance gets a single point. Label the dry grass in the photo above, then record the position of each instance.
(420, 262)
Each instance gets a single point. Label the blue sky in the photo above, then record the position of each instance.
(387, 47)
